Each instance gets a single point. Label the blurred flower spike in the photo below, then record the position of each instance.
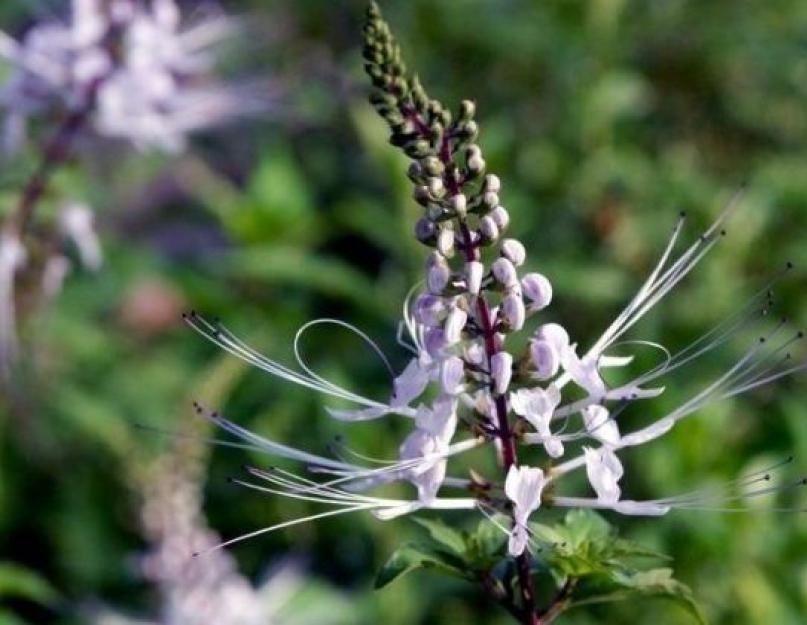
(465, 387)
(131, 67)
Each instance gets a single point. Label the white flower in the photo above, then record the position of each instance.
(545, 358)
(76, 224)
(505, 272)
(12, 259)
(500, 217)
(583, 371)
(513, 312)
(513, 250)
(156, 88)
(604, 471)
(501, 370)
(600, 425)
(452, 372)
(537, 406)
(437, 273)
(538, 289)
(410, 384)
(429, 309)
(523, 486)
(455, 322)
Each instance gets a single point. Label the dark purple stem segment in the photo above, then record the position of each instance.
(55, 153)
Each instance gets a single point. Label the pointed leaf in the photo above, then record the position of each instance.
(443, 534)
(411, 557)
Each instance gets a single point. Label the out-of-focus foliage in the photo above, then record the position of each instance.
(605, 118)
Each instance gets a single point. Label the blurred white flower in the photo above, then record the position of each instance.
(12, 259)
(76, 224)
(142, 74)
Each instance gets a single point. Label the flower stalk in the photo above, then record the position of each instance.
(426, 128)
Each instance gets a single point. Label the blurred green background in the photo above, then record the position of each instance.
(604, 119)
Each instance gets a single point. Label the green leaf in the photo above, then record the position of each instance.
(19, 582)
(484, 546)
(443, 534)
(661, 583)
(411, 557)
(8, 618)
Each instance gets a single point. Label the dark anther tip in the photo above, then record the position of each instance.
(762, 339)
(229, 479)
(789, 265)
(722, 233)
(800, 334)
(682, 214)
(195, 554)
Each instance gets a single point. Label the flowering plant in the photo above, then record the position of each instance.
(469, 385)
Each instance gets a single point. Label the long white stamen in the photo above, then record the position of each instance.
(283, 525)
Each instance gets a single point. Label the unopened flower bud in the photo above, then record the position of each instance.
(426, 231)
(436, 186)
(492, 183)
(501, 370)
(473, 151)
(512, 311)
(468, 130)
(467, 110)
(435, 342)
(437, 274)
(476, 166)
(474, 270)
(417, 148)
(514, 251)
(445, 241)
(545, 359)
(452, 371)
(432, 166)
(455, 322)
(422, 195)
(429, 309)
(490, 200)
(538, 290)
(501, 217)
(505, 272)
(415, 172)
(488, 228)
(554, 334)
(459, 204)
(474, 353)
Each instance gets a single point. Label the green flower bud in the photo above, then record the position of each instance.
(436, 186)
(417, 149)
(415, 172)
(490, 200)
(475, 166)
(422, 195)
(426, 231)
(492, 183)
(458, 204)
(467, 110)
(432, 166)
